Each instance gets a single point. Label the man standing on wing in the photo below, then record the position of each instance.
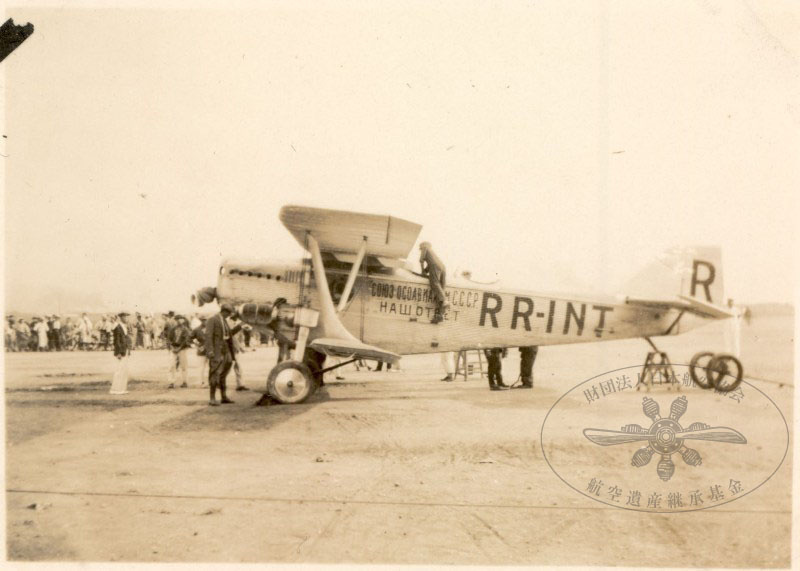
(433, 267)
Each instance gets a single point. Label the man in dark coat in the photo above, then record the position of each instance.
(51, 341)
(122, 348)
(495, 363)
(527, 356)
(219, 350)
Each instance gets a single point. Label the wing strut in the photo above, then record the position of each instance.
(330, 336)
(329, 322)
(351, 279)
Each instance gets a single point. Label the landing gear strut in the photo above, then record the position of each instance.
(657, 365)
(294, 380)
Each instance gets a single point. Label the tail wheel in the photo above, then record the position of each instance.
(725, 372)
(698, 369)
(290, 382)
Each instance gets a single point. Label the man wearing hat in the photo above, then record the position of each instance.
(11, 334)
(122, 349)
(433, 267)
(199, 337)
(180, 339)
(219, 350)
(169, 323)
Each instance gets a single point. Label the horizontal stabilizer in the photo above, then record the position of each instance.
(343, 231)
(706, 309)
(685, 303)
(353, 349)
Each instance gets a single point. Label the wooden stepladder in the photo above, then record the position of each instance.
(466, 366)
(657, 368)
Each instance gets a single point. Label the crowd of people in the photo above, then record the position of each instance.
(217, 341)
(81, 333)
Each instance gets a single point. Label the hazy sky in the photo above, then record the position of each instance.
(559, 145)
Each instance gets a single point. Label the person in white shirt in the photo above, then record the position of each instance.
(41, 331)
(85, 328)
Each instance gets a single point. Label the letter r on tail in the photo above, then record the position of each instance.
(708, 274)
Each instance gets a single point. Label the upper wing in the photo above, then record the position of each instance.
(352, 349)
(342, 231)
(371, 262)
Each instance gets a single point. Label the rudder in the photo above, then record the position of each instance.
(702, 277)
(691, 271)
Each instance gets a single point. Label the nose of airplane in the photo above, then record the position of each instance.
(204, 296)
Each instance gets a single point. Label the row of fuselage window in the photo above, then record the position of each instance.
(253, 274)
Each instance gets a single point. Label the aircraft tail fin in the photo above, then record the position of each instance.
(689, 272)
(701, 275)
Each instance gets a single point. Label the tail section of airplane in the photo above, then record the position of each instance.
(702, 275)
(688, 272)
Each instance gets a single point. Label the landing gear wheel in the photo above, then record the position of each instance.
(698, 369)
(725, 372)
(290, 382)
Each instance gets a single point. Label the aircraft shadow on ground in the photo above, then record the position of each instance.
(235, 417)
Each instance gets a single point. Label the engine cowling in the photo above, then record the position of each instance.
(204, 295)
(256, 314)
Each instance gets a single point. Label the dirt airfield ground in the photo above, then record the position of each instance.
(381, 468)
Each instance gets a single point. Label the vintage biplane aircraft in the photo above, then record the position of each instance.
(357, 297)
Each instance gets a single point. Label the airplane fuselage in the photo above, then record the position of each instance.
(393, 308)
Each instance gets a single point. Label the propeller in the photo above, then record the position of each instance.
(610, 437)
(716, 434)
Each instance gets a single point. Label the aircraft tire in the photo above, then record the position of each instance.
(290, 382)
(701, 380)
(725, 372)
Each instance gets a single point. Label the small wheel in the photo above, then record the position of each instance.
(290, 382)
(701, 361)
(725, 372)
